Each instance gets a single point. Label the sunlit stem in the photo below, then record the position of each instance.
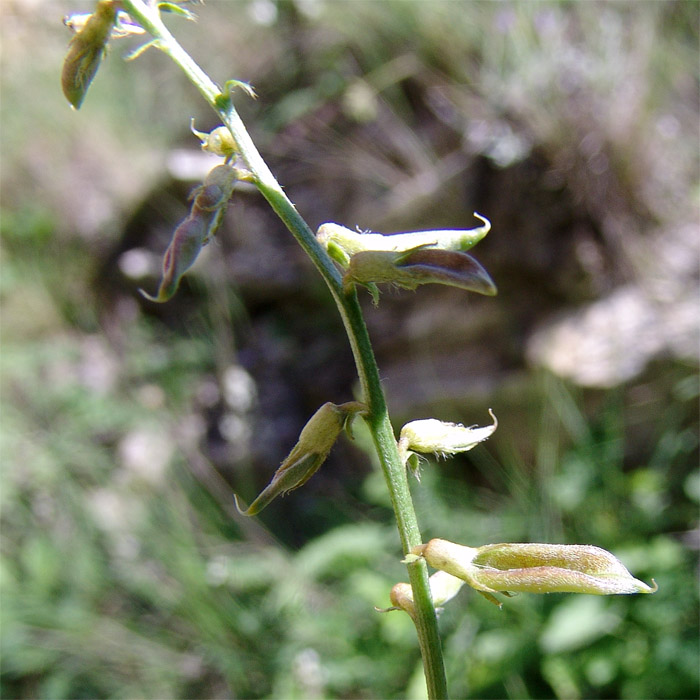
(377, 417)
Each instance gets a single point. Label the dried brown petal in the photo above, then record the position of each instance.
(187, 242)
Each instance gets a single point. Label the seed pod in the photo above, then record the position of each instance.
(85, 52)
(315, 442)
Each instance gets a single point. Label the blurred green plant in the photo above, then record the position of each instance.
(69, 631)
(422, 259)
(121, 587)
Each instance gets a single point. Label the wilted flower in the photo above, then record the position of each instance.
(186, 243)
(342, 243)
(315, 442)
(205, 216)
(532, 568)
(421, 265)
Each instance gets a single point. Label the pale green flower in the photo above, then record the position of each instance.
(532, 568)
(342, 243)
(438, 437)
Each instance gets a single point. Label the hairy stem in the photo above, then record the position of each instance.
(373, 395)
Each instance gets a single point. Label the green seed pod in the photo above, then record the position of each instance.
(85, 52)
(315, 442)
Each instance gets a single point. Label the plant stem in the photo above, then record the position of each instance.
(351, 313)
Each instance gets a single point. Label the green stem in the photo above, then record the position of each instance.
(351, 313)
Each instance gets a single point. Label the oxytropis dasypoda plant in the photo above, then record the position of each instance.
(347, 259)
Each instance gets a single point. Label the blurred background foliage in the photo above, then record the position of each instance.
(126, 572)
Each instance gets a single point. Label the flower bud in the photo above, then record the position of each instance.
(315, 442)
(342, 243)
(421, 265)
(443, 587)
(220, 141)
(85, 51)
(437, 437)
(533, 568)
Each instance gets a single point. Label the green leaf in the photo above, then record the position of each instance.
(177, 10)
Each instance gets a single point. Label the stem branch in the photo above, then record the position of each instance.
(377, 418)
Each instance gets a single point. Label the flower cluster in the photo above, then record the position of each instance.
(406, 260)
